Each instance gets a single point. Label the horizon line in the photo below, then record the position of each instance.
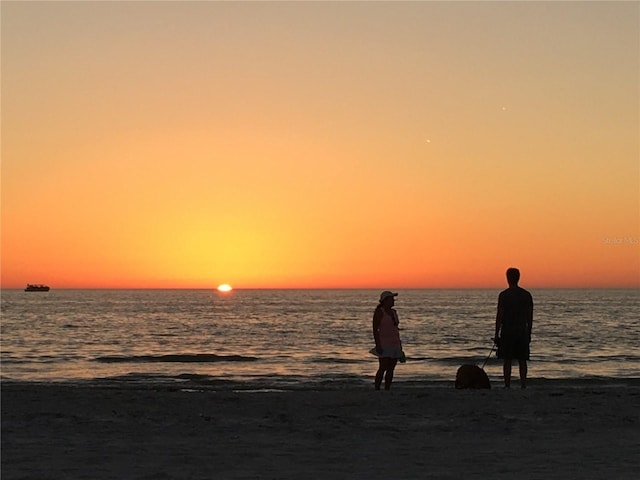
(214, 288)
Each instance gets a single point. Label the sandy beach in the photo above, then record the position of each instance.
(414, 431)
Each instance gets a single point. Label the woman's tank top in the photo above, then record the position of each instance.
(389, 332)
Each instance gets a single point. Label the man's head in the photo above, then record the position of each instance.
(513, 276)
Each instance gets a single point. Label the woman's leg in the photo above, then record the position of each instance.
(391, 365)
(380, 373)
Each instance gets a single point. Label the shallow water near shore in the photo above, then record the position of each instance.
(306, 337)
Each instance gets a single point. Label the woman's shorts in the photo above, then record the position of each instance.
(394, 351)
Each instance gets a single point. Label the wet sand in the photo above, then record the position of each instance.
(120, 431)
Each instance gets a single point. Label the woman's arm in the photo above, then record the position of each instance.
(377, 318)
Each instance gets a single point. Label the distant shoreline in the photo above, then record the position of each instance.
(283, 384)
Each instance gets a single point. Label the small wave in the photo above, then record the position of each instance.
(452, 360)
(175, 358)
(338, 360)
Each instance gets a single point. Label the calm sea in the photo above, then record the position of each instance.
(301, 337)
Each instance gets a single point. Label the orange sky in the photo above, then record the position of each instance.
(358, 144)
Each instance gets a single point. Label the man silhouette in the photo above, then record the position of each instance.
(514, 321)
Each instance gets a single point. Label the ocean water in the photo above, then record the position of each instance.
(301, 337)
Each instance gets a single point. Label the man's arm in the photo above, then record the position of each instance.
(530, 317)
(499, 316)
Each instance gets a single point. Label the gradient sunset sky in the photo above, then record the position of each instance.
(324, 144)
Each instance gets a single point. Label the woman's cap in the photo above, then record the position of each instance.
(386, 294)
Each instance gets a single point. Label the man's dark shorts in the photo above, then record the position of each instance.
(513, 346)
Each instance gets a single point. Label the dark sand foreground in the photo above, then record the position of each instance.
(415, 431)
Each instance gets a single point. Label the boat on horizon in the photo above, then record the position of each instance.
(36, 288)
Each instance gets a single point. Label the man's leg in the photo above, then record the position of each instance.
(522, 364)
(506, 370)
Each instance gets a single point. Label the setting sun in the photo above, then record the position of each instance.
(225, 287)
